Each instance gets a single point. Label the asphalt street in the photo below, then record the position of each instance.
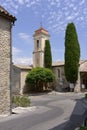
(64, 111)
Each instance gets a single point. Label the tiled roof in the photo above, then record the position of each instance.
(23, 67)
(61, 63)
(82, 61)
(58, 63)
(41, 30)
(83, 66)
(6, 14)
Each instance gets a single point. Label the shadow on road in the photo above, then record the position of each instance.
(45, 92)
(77, 117)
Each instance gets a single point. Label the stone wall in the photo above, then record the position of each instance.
(16, 76)
(19, 74)
(5, 65)
(24, 88)
(61, 83)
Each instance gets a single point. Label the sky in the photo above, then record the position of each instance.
(54, 16)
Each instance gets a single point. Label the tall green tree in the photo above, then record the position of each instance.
(72, 53)
(47, 55)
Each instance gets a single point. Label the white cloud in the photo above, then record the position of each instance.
(52, 3)
(16, 51)
(10, 5)
(27, 38)
(54, 11)
(23, 35)
(23, 60)
(82, 2)
(19, 59)
(15, 5)
(21, 2)
(71, 5)
(69, 17)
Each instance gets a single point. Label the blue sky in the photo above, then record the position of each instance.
(55, 15)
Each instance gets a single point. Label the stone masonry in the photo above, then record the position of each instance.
(19, 73)
(40, 36)
(6, 21)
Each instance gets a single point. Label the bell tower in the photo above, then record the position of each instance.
(40, 36)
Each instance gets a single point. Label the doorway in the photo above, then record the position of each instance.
(84, 80)
(85, 83)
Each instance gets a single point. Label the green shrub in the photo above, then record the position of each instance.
(39, 77)
(86, 95)
(83, 128)
(22, 101)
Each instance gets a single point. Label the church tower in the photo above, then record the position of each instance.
(40, 36)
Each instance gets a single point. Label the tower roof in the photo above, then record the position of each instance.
(6, 14)
(41, 30)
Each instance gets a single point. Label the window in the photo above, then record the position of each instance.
(37, 43)
(58, 73)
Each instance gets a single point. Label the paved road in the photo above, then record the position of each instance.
(53, 112)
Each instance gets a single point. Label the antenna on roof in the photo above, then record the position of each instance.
(41, 24)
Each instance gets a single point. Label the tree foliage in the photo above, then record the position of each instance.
(47, 55)
(72, 53)
(38, 76)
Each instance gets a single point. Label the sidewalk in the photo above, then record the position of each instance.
(19, 110)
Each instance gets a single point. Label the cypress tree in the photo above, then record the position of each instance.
(72, 53)
(47, 55)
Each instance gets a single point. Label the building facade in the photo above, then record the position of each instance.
(19, 73)
(6, 22)
(61, 82)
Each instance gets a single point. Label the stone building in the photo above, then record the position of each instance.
(61, 83)
(19, 73)
(6, 22)
(58, 70)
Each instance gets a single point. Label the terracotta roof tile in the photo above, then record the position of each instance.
(41, 30)
(24, 67)
(58, 63)
(83, 66)
(6, 14)
(61, 63)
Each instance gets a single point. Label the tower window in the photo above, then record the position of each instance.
(37, 43)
